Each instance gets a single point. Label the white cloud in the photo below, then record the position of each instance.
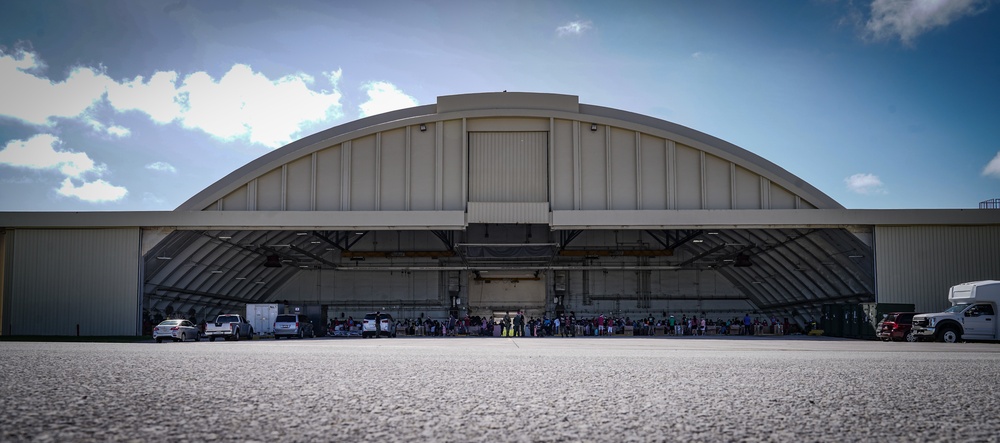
(907, 20)
(38, 152)
(246, 104)
(97, 191)
(243, 104)
(37, 100)
(993, 167)
(574, 28)
(113, 130)
(384, 97)
(118, 131)
(865, 184)
(162, 167)
(158, 97)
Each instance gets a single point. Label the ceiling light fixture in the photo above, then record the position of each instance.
(225, 237)
(163, 257)
(593, 127)
(423, 127)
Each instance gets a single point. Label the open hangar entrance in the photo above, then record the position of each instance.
(495, 268)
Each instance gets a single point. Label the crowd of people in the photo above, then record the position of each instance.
(517, 324)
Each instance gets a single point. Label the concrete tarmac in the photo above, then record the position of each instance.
(798, 389)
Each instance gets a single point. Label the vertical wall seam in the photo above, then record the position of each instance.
(550, 151)
(407, 189)
(465, 164)
(438, 165)
(345, 176)
(671, 170)
(638, 170)
(732, 185)
(608, 202)
(577, 165)
(313, 181)
(284, 186)
(378, 171)
(704, 180)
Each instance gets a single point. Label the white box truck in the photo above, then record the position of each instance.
(262, 316)
(972, 315)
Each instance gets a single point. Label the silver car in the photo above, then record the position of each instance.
(293, 325)
(176, 330)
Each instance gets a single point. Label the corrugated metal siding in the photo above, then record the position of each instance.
(508, 212)
(61, 278)
(918, 264)
(508, 167)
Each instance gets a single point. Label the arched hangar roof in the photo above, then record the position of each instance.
(432, 157)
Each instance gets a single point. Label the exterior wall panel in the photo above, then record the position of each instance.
(451, 175)
(652, 164)
(623, 170)
(780, 198)
(298, 186)
(918, 264)
(328, 187)
(423, 168)
(269, 191)
(747, 189)
(563, 190)
(719, 181)
(236, 200)
(593, 169)
(392, 173)
(363, 174)
(688, 193)
(68, 277)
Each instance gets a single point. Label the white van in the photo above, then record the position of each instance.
(972, 315)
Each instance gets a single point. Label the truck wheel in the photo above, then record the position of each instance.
(212, 338)
(236, 335)
(949, 335)
(911, 337)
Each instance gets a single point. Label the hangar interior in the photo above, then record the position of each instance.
(481, 204)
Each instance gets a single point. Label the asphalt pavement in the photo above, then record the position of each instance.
(592, 389)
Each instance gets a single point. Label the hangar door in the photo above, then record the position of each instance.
(508, 167)
(488, 295)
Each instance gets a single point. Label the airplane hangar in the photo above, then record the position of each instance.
(488, 203)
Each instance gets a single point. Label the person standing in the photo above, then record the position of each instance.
(518, 325)
(747, 322)
(378, 324)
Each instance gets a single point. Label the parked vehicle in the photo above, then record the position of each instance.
(387, 326)
(176, 330)
(897, 326)
(262, 316)
(229, 327)
(972, 315)
(293, 325)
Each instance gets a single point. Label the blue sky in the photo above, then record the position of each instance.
(129, 105)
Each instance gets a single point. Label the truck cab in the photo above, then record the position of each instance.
(972, 315)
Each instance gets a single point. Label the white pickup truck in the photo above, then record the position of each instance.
(229, 327)
(972, 315)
